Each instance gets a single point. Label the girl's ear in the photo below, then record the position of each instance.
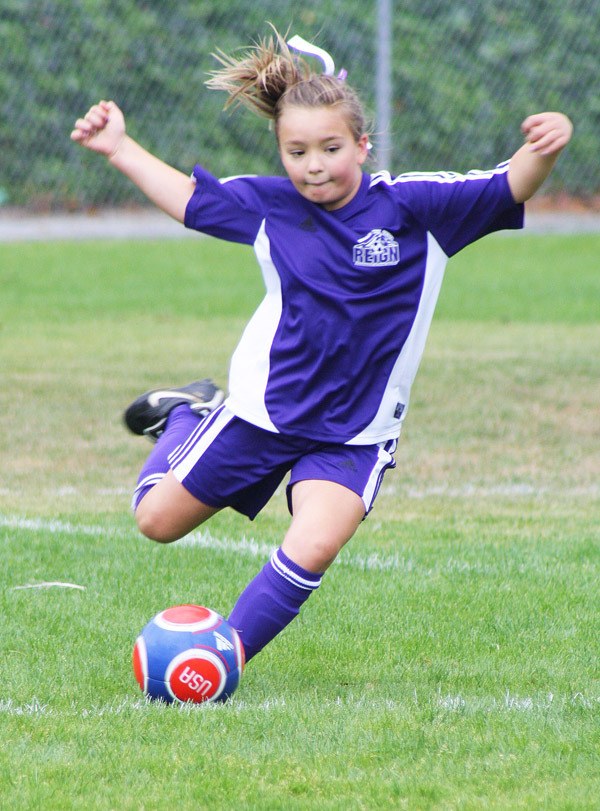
(363, 147)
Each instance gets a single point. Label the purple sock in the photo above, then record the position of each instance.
(271, 601)
(180, 424)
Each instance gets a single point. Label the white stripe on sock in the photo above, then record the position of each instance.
(293, 577)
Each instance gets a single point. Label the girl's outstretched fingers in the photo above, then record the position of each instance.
(547, 133)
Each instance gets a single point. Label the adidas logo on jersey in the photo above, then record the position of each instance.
(377, 249)
(308, 225)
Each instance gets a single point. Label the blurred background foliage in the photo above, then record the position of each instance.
(464, 75)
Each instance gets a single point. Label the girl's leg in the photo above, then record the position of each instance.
(325, 516)
(164, 509)
(168, 511)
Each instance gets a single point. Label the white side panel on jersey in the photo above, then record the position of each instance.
(250, 364)
(406, 366)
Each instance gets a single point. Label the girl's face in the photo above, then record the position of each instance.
(320, 155)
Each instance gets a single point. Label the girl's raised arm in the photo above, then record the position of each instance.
(546, 135)
(102, 130)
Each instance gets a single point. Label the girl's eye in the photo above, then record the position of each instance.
(332, 148)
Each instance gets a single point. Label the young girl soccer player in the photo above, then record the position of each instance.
(352, 264)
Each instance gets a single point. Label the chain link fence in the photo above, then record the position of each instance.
(463, 76)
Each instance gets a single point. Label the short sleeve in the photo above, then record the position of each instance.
(459, 209)
(231, 209)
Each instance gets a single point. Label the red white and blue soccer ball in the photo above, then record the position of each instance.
(188, 653)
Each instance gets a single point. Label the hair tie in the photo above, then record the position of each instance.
(299, 44)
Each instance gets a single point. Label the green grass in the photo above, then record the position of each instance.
(450, 658)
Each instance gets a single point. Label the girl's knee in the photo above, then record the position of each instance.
(314, 554)
(161, 520)
(154, 525)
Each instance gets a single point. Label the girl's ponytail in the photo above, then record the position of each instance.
(267, 77)
(260, 77)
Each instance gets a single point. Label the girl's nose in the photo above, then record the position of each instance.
(315, 164)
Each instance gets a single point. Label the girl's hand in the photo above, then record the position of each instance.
(547, 133)
(102, 129)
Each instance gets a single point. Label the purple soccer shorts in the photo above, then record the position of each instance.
(227, 462)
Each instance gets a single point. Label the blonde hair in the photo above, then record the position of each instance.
(268, 77)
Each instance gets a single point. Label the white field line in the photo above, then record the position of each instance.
(249, 547)
(57, 527)
(49, 584)
(508, 702)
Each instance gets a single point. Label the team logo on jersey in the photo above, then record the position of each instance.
(378, 249)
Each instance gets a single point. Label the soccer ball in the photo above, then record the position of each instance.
(188, 653)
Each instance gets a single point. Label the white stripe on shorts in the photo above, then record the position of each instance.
(183, 458)
(147, 481)
(385, 459)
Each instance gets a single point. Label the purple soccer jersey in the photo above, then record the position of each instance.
(332, 350)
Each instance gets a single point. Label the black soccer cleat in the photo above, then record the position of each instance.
(147, 416)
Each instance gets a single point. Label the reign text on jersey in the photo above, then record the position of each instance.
(377, 249)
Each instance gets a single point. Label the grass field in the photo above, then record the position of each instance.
(450, 659)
